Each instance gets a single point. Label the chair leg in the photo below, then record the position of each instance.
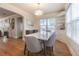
(50, 49)
(28, 53)
(25, 49)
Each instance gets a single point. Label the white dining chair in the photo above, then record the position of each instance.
(33, 44)
(51, 42)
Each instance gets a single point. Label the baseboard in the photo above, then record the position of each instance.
(68, 43)
(70, 48)
(73, 47)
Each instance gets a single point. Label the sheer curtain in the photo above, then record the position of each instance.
(69, 22)
(75, 19)
(72, 22)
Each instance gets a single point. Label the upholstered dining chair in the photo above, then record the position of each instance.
(33, 45)
(50, 44)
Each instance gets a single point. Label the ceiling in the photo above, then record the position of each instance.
(45, 7)
(4, 12)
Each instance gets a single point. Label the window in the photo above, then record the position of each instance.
(77, 31)
(43, 24)
(47, 25)
(75, 11)
(75, 19)
(72, 22)
(51, 24)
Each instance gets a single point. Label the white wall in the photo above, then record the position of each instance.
(60, 33)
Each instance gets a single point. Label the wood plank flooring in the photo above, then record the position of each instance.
(15, 47)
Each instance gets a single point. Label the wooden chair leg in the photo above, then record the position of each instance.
(28, 53)
(25, 49)
(52, 51)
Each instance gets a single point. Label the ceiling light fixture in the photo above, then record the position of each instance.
(38, 12)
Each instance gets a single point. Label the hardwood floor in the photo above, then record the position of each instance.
(61, 49)
(15, 47)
